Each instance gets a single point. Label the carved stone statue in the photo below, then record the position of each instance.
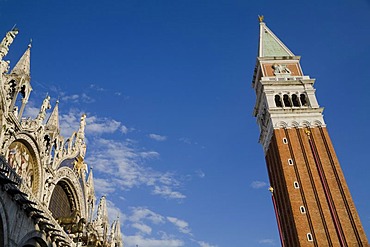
(80, 166)
(72, 219)
(281, 69)
(45, 106)
(77, 227)
(81, 131)
(4, 66)
(6, 42)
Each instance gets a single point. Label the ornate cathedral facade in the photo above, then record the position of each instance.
(47, 193)
(311, 198)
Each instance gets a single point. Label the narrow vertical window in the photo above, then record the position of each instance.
(303, 100)
(286, 100)
(285, 141)
(303, 210)
(295, 100)
(290, 161)
(278, 102)
(296, 185)
(309, 237)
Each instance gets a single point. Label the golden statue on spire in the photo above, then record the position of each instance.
(261, 18)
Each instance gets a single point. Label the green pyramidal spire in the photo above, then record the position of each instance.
(270, 45)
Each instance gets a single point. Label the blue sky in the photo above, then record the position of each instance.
(166, 85)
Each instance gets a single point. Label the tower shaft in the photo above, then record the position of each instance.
(312, 200)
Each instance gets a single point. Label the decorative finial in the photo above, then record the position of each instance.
(14, 28)
(30, 44)
(271, 190)
(260, 18)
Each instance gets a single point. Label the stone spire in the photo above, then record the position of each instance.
(52, 124)
(101, 221)
(7, 41)
(21, 76)
(270, 45)
(115, 234)
(90, 178)
(91, 199)
(45, 106)
(22, 68)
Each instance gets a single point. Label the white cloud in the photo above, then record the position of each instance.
(75, 98)
(70, 122)
(149, 154)
(204, 244)
(182, 225)
(96, 88)
(30, 111)
(87, 99)
(258, 184)
(185, 140)
(95, 125)
(124, 129)
(158, 137)
(103, 186)
(142, 217)
(143, 228)
(167, 192)
(200, 173)
(123, 162)
(133, 241)
(267, 241)
(114, 212)
(139, 214)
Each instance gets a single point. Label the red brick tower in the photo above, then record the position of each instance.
(311, 197)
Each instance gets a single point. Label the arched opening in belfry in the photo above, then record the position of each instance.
(303, 100)
(62, 203)
(286, 100)
(295, 100)
(278, 102)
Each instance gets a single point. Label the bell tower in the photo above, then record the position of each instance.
(312, 201)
